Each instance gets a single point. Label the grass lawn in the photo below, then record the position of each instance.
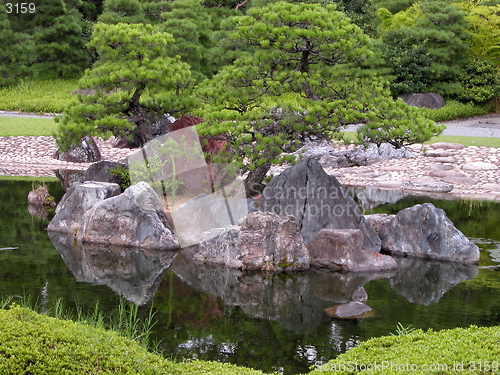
(16, 126)
(37, 96)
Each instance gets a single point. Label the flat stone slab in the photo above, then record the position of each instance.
(479, 166)
(438, 187)
(492, 187)
(445, 159)
(459, 180)
(439, 153)
(389, 184)
(447, 146)
(441, 167)
(445, 174)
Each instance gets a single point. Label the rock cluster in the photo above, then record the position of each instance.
(328, 222)
(96, 212)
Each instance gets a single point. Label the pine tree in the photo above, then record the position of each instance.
(444, 28)
(133, 79)
(16, 53)
(122, 11)
(190, 25)
(303, 81)
(59, 44)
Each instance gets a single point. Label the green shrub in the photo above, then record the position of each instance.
(38, 344)
(50, 96)
(480, 81)
(454, 110)
(418, 352)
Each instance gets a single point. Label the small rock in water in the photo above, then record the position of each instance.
(352, 310)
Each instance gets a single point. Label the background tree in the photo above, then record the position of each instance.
(409, 60)
(90, 9)
(444, 28)
(122, 11)
(133, 80)
(59, 44)
(441, 27)
(16, 53)
(190, 25)
(303, 81)
(484, 28)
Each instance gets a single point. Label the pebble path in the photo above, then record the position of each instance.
(32, 156)
(474, 171)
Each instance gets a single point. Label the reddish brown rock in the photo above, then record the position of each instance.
(343, 249)
(208, 145)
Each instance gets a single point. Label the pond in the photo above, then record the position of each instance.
(273, 323)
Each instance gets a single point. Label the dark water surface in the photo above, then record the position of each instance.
(270, 323)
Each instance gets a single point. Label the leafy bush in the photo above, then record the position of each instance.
(480, 81)
(473, 350)
(400, 125)
(454, 110)
(37, 344)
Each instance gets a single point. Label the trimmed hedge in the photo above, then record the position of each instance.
(473, 350)
(31, 343)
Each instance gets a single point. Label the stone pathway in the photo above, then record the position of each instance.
(472, 171)
(32, 156)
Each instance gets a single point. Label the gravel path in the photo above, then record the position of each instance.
(484, 126)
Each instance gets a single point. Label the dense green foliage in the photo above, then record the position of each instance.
(454, 110)
(480, 81)
(409, 60)
(436, 30)
(444, 352)
(16, 53)
(38, 344)
(133, 81)
(66, 58)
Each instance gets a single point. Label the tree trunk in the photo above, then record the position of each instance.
(139, 116)
(253, 182)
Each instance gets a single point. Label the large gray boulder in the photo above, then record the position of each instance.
(424, 99)
(133, 219)
(317, 201)
(424, 231)
(263, 241)
(78, 199)
(343, 249)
